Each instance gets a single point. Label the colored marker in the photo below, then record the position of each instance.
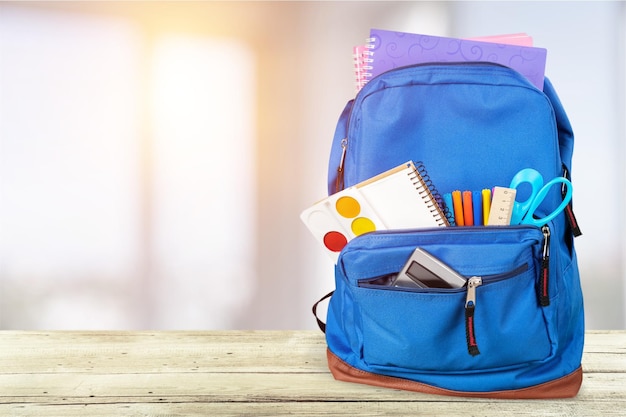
(447, 199)
(477, 201)
(486, 194)
(468, 209)
(457, 202)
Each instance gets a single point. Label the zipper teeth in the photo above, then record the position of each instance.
(486, 279)
(505, 275)
(415, 290)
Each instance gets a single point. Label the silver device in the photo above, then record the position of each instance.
(424, 270)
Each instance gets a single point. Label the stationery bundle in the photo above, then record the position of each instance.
(387, 50)
(482, 311)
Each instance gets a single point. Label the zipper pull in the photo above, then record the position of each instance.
(569, 214)
(544, 274)
(470, 306)
(472, 283)
(339, 184)
(569, 210)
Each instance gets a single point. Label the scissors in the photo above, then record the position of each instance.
(523, 212)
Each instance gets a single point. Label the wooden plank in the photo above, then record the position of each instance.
(235, 387)
(605, 351)
(121, 352)
(604, 362)
(246, 373)
(282, 352)
(440, 408)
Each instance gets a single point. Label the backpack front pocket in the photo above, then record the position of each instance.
(496, 322)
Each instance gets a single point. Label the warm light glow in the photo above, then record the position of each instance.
(204, 187)
(127, 175)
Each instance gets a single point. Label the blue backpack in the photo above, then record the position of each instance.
(472, 126)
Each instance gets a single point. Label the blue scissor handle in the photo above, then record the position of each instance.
(534, 178)
(523, 212)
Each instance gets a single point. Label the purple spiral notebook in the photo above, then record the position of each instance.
(389, 50)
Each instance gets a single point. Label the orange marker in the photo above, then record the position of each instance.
(468, 208)
(458, 208)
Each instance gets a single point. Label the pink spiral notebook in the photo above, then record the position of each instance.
(387, 50)
(362, 65)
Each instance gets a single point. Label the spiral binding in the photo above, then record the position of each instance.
(362, 64)
(367, 60)
(428, 192)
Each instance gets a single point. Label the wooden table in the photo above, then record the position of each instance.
(241, 373)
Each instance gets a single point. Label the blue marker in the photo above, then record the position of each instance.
(477, 202)
(447, 199)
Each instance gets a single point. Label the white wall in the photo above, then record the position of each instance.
(300, 53)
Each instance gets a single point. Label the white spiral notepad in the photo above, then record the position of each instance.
(400, 198)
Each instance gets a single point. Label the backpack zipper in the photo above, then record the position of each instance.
(544, 274)
(470, 307)
(339, 184)
(470, 304)
(474, 282)
(569, 210)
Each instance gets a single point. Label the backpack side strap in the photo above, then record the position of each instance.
(320, 323)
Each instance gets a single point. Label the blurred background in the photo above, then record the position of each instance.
(155, 156)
